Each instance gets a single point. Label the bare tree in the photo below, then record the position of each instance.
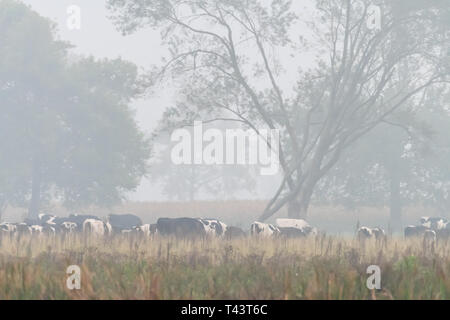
(223, 56)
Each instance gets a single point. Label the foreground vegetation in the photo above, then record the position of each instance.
(317, 268)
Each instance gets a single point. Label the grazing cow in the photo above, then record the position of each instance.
(80, 219)
(68, 227)
(234, 232)
(415, 231)
(429, 235)
(23, 229)
(378, 233)
(153, 228)
(46, 219)
(31, 222)
(434, 223)
(300, 224)
(36, 229)
(368, 233)
(7, 228)
(127, 231)
(445, 232)
(96, 227)
(180, 227)
(48, 230)
(291, 232)
(145, 230)
(121, 222)
(364, 233)
(263, 229)
(214, 227)
(42, 230)
(291, 223)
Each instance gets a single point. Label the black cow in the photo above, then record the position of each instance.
(180, 227)
(121, 222)
(291, 232)
(234, 232)
(23, 229)
(415, 231)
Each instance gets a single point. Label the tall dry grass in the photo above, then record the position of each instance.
(321, 267)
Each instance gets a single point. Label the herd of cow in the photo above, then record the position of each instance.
(129, 224)
(430, 228)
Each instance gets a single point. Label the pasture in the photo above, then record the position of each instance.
(318, 267)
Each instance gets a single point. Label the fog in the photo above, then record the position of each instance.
(224, 149)
(282, 68)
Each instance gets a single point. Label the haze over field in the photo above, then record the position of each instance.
(224, 149)
(354, 124)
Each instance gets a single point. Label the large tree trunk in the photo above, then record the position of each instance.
(298, 207)
(2, 208)
(395, 203)
(35, 202)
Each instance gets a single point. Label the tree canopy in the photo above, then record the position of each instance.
(68, 130)
(224, 56)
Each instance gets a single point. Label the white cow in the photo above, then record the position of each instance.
(96, 227)
(296, 224)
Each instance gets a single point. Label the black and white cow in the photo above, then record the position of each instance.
(7, 228)
(180, 227)
(445, 232)
(370, 233)
(67, 227)
(79, 220)
(146, 230)
(261, 229)
(38, 230)
(434, 223)
(213, 227)
(46, 219)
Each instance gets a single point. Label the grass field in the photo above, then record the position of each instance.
(320, 267)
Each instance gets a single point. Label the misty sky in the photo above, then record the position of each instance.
(98, 37)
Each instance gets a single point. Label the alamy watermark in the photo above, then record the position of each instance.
(374, 280)
(74, 279)
(373, 21)
(73, 21)
(236, 147)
